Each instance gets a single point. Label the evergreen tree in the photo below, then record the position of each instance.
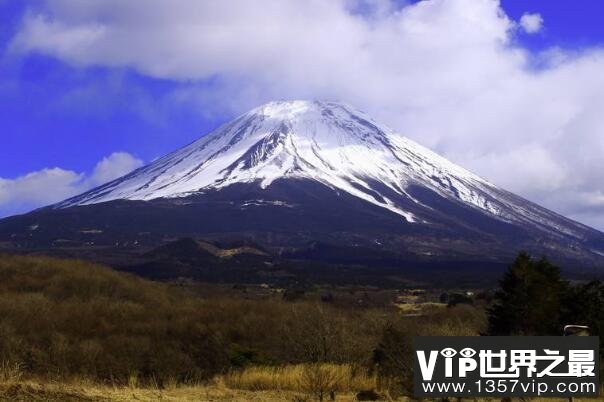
(531, 300)
(586, 307)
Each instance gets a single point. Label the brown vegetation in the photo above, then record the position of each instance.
(70, 320)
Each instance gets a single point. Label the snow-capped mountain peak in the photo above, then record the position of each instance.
(326, 142)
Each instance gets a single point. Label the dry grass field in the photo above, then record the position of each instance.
(33, 391)
(287, 383)
(293, 383)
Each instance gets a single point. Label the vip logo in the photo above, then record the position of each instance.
(506, 366)
(508, 363)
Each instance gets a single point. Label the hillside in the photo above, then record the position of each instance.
(80, 323)
(76, 318)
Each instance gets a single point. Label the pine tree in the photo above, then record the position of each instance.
(585, 306)
(531, 300)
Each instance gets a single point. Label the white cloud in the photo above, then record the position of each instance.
(447, 73)
(111, 167)
(531, 23)
(37, 188)
(47, 186)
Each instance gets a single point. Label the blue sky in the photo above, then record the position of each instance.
(90, 90)
(570, 25)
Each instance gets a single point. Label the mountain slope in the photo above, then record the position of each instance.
(299, 171)
(327, 142)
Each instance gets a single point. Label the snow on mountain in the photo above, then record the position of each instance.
(328, 142)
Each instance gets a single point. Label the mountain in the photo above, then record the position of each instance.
(301, 176)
